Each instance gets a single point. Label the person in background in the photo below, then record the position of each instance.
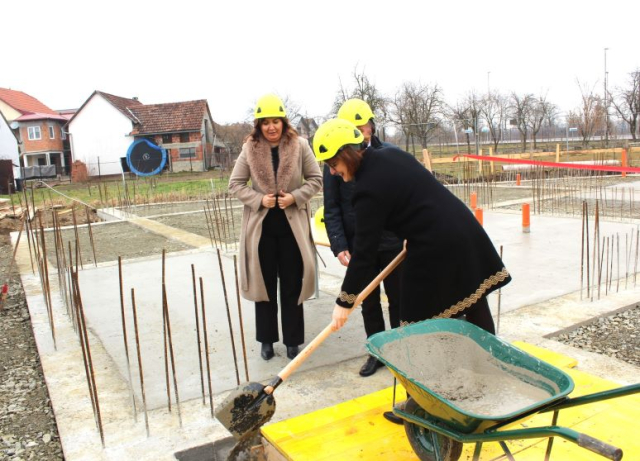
(275, 239)
(339, 218)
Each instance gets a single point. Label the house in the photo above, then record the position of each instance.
(100, 132)
(184, 129)
(106, 125)
(39, 132)
(307, 127)
(9, 156)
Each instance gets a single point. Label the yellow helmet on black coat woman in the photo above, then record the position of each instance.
(269, 106)
(333, 135)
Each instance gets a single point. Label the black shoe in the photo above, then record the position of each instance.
(267, 351)
(392, 418)
(370, 366)
(292, 351)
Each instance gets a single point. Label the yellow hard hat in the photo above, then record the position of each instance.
(333, 135)
(269, 106)
(318, 219)
(356, 111)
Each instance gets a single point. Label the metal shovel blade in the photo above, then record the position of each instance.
(246, 409)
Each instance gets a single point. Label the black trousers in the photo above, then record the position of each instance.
(280, 258)
(372, 307)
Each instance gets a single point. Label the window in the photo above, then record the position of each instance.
(52, 134)
(63, 134)
(188, 152)
(166, 139)
(34, 133)
(184, 137)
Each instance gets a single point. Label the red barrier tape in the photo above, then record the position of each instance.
(575, 166)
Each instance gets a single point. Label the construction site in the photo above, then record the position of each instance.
(142, 332)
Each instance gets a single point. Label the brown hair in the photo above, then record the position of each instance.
(351, 156)
(288, 131)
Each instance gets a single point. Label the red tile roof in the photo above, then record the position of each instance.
(121, 103)
(170, 117)
(24, 103)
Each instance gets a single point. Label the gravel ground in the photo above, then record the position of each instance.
(27, 424)
(615, 336)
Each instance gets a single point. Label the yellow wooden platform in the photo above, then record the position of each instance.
(356, 429)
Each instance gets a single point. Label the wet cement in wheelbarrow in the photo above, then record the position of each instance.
(465, 374)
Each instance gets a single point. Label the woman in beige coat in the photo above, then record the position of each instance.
(275, 240)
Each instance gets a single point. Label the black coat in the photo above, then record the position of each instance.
(340, 216)
(450, 263)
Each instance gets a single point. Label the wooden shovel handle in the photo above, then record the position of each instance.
(324, 334)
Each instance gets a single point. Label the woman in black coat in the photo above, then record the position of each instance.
(451, 264)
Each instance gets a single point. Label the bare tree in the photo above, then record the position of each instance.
(233, 135)
(419, 109)
(460, 117)
(591, 113)
(541, 111)
(401, 117)
(626, 102)
(364, 89)
(521, 109)
(494, 111)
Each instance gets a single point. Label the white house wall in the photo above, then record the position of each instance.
(9, 112)
(99, 136)
(9, 147)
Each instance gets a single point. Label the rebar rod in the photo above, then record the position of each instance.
(75, 230)
(198, 343)
(83, 325)
(124, 338)
(140, 373)
(164, 338)
(226, 303)
(206, 344)
(44, 274)
(173, 357)
(238, 300)
(93, 245)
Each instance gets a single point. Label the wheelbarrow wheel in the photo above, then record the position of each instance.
(422, 442)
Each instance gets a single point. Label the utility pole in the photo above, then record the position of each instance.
(606, 103)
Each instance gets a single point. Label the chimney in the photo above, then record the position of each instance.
(135, 98)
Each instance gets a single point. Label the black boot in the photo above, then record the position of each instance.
(292, 351)
(370, 366)
(267, 351)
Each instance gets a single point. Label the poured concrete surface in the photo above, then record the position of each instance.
(542, 298)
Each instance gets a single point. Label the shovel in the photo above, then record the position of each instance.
(250, 406)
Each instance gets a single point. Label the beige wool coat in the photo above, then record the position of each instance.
(299, 175)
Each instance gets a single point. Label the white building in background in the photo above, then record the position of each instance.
(9, 147)
(103, 129)
(100, 132)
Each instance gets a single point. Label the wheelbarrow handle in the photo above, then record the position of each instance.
(324, 334)
(599, 447)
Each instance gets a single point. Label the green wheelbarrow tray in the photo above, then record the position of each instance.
(437, 427)
(508, 362)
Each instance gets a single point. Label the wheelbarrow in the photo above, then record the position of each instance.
(465, 385)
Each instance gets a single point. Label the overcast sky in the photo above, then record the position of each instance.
(231, 52)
